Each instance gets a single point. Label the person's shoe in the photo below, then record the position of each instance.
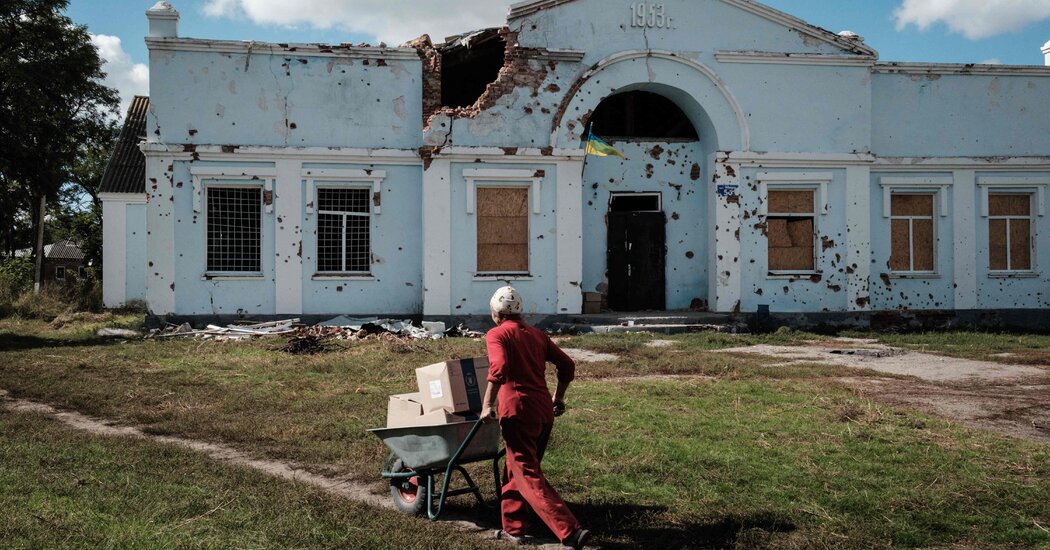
(516, 540)
(577, 539)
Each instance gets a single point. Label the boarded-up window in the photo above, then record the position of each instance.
(1010, 232)
(912, 237)
(503, 230)
(790, 228)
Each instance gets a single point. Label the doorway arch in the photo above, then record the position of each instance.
(676, 236)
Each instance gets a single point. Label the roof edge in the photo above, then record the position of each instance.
(249, 47)
(528, 7)
(891, 67)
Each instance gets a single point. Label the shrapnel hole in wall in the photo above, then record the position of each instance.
(642, 116)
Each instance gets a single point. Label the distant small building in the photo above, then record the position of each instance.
(63, 261)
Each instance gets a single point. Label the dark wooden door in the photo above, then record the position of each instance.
(636, 258)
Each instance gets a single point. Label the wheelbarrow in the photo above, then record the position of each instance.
(419, 455)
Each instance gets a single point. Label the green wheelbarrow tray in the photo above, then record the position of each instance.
(419, 454)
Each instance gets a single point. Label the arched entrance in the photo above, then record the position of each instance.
(652, 126)
(647, 232)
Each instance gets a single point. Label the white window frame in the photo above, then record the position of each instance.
(503, 179)
(205, 176)
(316, 198)
(818, 183)
(659, 199)
(1035, 187)
(937, 186)
(344, 177)
(232, 183)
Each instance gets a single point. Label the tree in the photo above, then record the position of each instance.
(52, 103)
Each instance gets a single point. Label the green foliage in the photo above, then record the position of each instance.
(54, 112)
(16, 277)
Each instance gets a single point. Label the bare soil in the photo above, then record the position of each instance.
(1013, 400)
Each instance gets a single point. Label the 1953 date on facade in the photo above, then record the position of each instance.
(650, 15)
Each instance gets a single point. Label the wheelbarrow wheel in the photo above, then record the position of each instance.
(409, 494)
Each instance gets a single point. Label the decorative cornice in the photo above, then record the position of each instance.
(960, 69)
(291, 50)
(776, 58)
(522, 9)
(565, 56)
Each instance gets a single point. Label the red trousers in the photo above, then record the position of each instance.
(524, 485)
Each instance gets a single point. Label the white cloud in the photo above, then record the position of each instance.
(122, 73)
(390, 21)
(992, 61)
(975, 19)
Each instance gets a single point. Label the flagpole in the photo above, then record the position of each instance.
(586, 147)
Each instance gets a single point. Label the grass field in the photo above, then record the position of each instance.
(61, 489)
(741, 454)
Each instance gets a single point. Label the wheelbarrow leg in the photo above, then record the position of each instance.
(471, 485)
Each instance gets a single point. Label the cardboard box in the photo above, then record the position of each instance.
(595, 297)
(453, 386)
(440, 417)
(404, 410)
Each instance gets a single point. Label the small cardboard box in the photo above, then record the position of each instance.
(404, 410)
(453, 386)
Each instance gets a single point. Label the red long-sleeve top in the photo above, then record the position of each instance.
(518, 355)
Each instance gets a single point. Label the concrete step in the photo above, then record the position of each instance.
(653, 318)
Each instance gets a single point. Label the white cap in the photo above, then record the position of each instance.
(506, 301)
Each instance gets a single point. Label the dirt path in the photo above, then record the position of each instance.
(345, 488)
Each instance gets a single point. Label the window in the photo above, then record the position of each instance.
(344, 230)
(81, 272)
(791, 230)
(503, 230)
(234, 229)
(912, 237)
(1010, 232)
(635, 202)
(60, 273)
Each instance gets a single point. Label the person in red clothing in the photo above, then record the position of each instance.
(517, 391)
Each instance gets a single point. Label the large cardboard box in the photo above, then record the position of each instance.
(453, 386)
(441, 417)
(403, 411)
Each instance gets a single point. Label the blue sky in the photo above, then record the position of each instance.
(953, 31)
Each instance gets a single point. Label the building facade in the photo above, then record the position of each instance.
(768, 164)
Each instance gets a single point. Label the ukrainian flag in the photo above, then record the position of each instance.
(597, 147)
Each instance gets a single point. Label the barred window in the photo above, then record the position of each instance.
(912, 233)
(1010, 232)
(234, 229)
(344, 227)
(791, 229)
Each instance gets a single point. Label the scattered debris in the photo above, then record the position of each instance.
(120, 333)
(229, 332)
(309, 344)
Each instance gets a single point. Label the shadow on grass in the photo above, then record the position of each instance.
(630, 526)
(21, 342)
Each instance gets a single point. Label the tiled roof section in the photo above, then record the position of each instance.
(126, 171)
(63, 250)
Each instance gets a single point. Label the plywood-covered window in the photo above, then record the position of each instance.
(1010, 232)
(912, 233)
(791, 230)
(503, 230)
